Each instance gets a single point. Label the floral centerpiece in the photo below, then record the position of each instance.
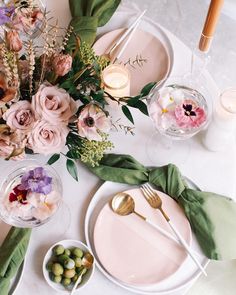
(51, 97)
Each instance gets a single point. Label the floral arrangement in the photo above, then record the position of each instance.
(34, 198)
(52, 99)
(175, 108)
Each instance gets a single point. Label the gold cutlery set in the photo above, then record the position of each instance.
(123, 204)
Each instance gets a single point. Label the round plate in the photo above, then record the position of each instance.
(134, 252)
(16, 280)
(178, 281)
(147, 58)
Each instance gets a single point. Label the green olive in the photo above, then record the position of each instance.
(51, 276)
(69, 263)
(78, 270)
(57, 269)
(62, 258)
(57, 279)
(78, 261)
(67, 252)
(66, 281)
(58, 250)
(49, 265)
(75, 277)
(69, 273)
(77, 252)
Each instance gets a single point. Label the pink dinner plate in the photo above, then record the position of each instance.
(134, 252)
(156, 60)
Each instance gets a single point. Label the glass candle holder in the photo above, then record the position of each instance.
(221, 130)
(116, 80)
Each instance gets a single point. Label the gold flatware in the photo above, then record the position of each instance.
(155, 202)
(123, 204)
(87, 262)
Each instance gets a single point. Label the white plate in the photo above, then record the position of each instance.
(16, 280)
(182, 278)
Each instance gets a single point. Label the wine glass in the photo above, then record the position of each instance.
(179, 109)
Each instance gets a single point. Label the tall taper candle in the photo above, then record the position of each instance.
(210, 24)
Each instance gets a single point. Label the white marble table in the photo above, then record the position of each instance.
(215, 172)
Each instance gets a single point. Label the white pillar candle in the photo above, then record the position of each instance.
(116, 80)
(221, 130)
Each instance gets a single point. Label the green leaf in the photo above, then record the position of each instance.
(127, 113)
(142, 107)
(53, 159)
(133, 100)
(72, 169)
(146, 89)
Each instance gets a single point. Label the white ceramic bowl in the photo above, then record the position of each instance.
(66, 244)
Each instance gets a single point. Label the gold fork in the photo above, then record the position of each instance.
(155, 202)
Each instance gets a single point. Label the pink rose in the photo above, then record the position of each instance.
(20, 116)
(91, 120)
(46, 138)
(13, 41)
(62, 64)
(53, 104)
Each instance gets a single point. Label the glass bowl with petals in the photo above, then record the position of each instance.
(30, 195)
(179, 109)
(25, 17)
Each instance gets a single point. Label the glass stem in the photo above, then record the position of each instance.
(199, 62)
(167, 142)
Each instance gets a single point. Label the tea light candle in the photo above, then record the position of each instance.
(221, 130)
(116, 79)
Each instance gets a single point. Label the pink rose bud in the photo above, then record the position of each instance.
(62, 64)
(13, 41)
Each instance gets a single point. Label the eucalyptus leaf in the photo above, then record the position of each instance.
(127, 113)
(72, 169)
(53, 159)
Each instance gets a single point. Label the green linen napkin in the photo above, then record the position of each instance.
(212, 217)
(12, 253)
(87, 15)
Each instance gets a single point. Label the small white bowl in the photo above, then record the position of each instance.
(66, 244)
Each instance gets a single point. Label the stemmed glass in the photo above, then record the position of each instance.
(179, 110)
(45, 211)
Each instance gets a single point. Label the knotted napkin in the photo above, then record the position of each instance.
(212, 217)
(87, 15)
(12, 253)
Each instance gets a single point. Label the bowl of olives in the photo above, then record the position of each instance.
(67, 263)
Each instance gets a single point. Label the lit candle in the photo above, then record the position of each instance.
(221, 130)
(116, 79)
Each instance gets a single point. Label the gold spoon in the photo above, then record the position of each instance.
(123, 204)
(87, 262)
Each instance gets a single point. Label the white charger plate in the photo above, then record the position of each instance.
(16, 280)
(185, 275)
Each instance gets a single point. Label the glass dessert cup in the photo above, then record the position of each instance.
(179, 109)
(30, 195)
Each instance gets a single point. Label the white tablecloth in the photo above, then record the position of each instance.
(210, 171)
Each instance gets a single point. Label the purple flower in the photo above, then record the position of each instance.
(36, 181)
(5, 14)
